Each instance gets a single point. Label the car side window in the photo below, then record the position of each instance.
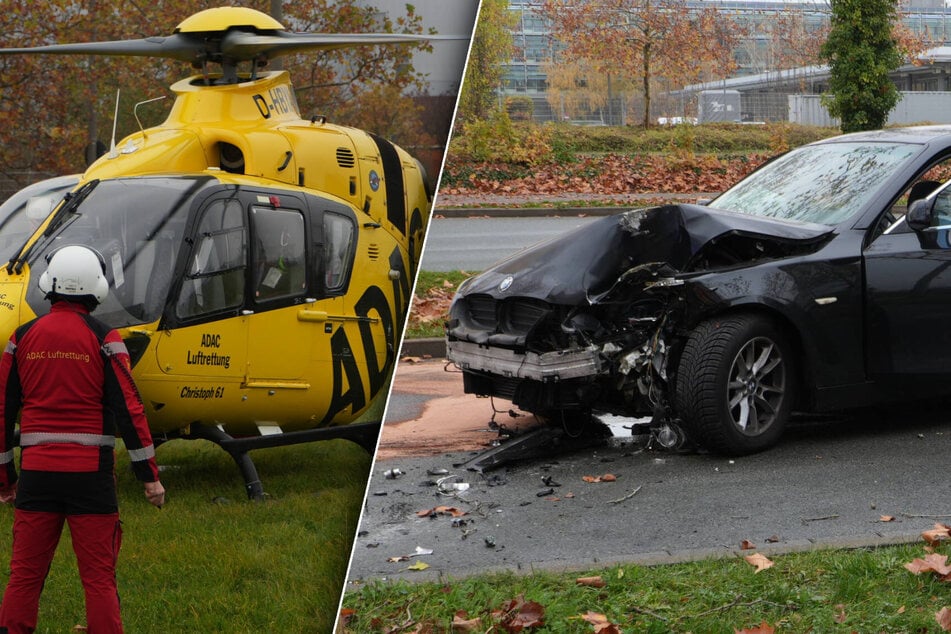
(216, 273)
(339, 244)
(278, 258)
(942, 209)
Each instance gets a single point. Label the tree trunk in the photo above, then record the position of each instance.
(647, 85)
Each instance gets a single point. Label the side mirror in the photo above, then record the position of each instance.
(920, 214)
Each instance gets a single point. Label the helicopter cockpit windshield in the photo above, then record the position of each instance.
(137, 225)
(23, 212)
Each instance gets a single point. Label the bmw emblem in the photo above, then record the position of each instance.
(506, 284)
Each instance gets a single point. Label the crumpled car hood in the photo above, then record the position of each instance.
(586, 262)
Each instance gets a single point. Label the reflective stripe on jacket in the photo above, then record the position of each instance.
(69, 377)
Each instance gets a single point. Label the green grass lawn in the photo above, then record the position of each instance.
(434, 290)
(864, 591)
(213, 561)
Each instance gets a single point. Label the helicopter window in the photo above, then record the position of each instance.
(279, 262)
(215, 277)
(338, 251)
(22, 213)
(137, 224)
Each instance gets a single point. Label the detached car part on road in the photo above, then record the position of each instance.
(805, 286)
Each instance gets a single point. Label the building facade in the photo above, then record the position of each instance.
(765, 88)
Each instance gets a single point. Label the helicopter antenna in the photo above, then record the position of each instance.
(135, 113)
(115, 118)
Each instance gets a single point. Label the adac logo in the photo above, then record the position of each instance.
(506, 284)
(374, 180)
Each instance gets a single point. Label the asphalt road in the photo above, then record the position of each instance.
(472, 244)
(828, 484)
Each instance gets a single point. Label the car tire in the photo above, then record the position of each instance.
(736, 383)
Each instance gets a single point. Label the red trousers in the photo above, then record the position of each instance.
(96, 541)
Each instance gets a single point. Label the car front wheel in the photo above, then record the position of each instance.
(736, 384)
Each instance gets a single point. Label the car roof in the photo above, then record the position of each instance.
(940, 134)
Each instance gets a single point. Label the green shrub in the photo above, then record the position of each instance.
(500, 140)
(531, 144)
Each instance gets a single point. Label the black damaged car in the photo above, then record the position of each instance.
(820, 282)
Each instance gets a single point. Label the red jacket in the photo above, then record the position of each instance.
(70, 375)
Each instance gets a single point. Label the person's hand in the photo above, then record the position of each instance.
(8, 493)
(155, 493)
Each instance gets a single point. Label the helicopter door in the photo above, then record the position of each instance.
(211, 342)
(278, 341)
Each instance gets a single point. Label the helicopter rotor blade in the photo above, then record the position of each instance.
(235, 45)
(242, 45)
(182, 47)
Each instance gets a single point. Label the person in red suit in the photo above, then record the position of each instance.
(68, 378)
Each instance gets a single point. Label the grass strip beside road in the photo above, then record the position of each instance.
(434, 291)
(865, 590)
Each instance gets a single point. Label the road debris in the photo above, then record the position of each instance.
(626, 497)
(591, 582)
(441, 510)
(451, 485)
(806, 520)
(607, 477)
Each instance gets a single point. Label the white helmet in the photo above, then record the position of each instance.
(75, 271)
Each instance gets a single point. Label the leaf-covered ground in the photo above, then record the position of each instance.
(602, 175)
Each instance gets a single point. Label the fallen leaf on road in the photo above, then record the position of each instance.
(346, 615)
(761, 562)
(397, 559)
(461, 623)
(593, 582)
(943, 617)
(747, 545)
(518, 614)
(441, 510)
(419, 565)
(607, 477)
(600, 623)
(937, 534)
(886, 518)
(930, 563)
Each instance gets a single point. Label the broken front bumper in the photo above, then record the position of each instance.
(546, 367)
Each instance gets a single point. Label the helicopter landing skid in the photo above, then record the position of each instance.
(364, 434)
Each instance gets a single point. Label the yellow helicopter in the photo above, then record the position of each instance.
(260, 263)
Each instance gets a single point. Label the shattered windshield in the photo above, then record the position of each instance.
(137, 225)
(825, 183)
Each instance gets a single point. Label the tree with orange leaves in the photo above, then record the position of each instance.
(645, 39)
(56, 106)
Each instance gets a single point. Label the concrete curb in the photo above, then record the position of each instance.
(432, 347)
(659, 558)
(527, 212)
